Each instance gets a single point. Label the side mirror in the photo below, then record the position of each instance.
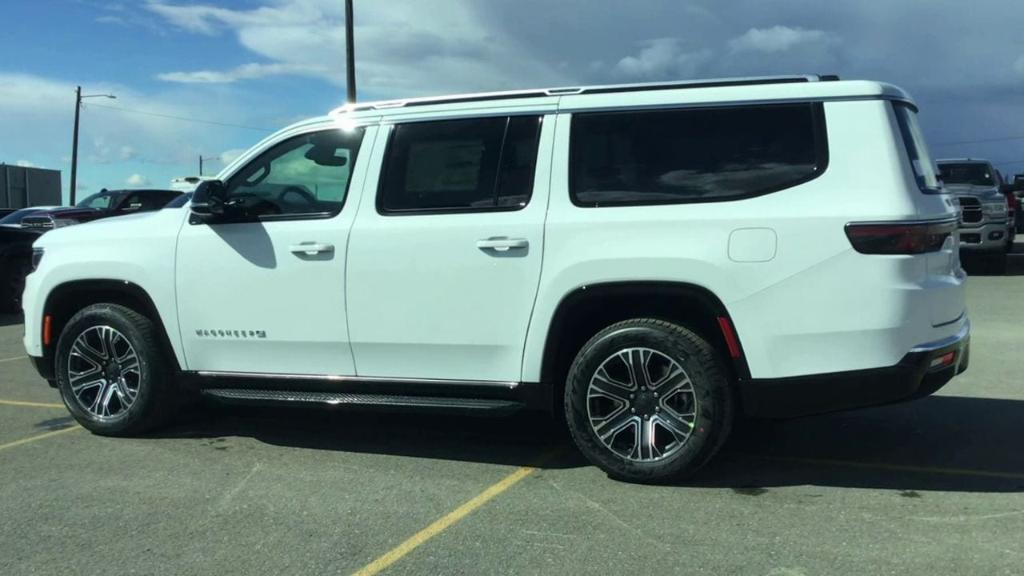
(208, 200)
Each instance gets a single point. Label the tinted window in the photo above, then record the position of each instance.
(917, 150)
(460, 165)
(146, 201)
(308, 174)
(179, 201)
(973, 173)
(693, 155)
(101, 200)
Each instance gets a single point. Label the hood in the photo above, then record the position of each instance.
(127, 227)
(972, 190)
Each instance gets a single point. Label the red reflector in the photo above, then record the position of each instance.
(730, 336)
(897, 238)
(944, 360)
(47, 329)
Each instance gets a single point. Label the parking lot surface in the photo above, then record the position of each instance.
(934, 486)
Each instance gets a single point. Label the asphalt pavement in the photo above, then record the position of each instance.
(934, 486)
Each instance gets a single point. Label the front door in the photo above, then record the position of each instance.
(443, 271)
(264, 292)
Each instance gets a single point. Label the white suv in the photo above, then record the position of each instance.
(655, 260)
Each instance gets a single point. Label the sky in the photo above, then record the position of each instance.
(212, 78)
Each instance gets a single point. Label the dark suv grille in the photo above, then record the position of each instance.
(970, 210)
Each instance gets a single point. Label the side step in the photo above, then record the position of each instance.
(359, 400)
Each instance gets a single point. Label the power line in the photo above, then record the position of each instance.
(183, 118)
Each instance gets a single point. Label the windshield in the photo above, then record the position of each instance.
(973, 173)
(100, 200)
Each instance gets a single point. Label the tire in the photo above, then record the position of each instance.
(12, 283)
(105, 335)
(597, 395)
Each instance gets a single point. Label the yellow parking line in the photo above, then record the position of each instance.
(896, 467)
(13, 359)
(30, 404)
(39, 437)
(449, 519)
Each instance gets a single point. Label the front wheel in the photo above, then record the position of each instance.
(112, 373)
(648, 401)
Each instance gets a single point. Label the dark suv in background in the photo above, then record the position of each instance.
(21, 228)
(103, 204)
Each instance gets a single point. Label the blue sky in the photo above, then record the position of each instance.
(254, 66)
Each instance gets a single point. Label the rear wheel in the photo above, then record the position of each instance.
(112, 372)
(648, 401)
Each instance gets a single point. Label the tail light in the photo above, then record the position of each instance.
(899, 237)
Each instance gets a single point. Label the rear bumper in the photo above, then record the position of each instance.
(921, 372)
(984, 237)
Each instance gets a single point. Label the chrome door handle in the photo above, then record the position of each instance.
(502, 244)
(311, 248)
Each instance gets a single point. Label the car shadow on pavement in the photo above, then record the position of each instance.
(518, 440)
(1014, 264)
(946, 443)
(10, 319)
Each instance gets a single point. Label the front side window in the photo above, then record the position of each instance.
(967, 173)
(694, 155)
(469, 165)
(304, 175)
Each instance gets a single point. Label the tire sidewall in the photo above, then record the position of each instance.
(708, 393)
(149, 368)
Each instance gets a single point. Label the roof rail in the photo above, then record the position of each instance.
(604, 89)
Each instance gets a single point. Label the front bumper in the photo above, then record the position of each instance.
(921, 372)
(987, 237)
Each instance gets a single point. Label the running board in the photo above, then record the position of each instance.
(356, 400)
(471, 396)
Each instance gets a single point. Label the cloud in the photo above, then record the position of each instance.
(24, 164)
(136, 181)
(1018, 66)
(114, 142)
(404, 47)
(662, 58)
(244, 72)
(779, 39)
(229, 156)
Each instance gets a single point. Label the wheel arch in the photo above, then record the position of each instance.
(588, 309)
(66, 299)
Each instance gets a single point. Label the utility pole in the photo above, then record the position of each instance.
(350, 54)
(74, 145)
(74, 140)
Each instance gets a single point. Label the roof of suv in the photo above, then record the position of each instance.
(768, 88)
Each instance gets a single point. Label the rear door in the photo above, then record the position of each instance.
(444, 266)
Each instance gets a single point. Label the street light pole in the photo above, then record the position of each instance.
(74, 139)
(350, 54)
(201, 160)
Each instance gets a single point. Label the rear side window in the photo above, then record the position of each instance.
(917, 150)
(472, 165)
(694, 155)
